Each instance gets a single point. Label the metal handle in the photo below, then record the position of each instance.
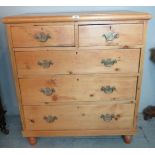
(45, 63)
(108, 62)
(108, 89)
(107, 117)
(50, 118)
(110, 36)
(47, 91)
(42, 37)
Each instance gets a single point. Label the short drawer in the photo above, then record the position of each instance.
(82, 62)
(69, 88)
(94, 116)
(40, 36)
(111, 35)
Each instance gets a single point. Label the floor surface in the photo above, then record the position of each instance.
(143, 139)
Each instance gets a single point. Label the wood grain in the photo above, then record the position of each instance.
(76, 47)
(77, 88)
(78, 62)
(79, 117)
(97, 132)
(15, 77)
(92, 35)
(24, 36)
(139, 82)
(83, 16)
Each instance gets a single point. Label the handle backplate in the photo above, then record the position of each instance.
(108, 89)
(50, 118)
(45, 63)
(107, 117)
(47, 91)
(110, 36)
(108, 62)
(42, 37)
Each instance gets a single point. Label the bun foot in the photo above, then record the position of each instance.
(32, 140)
(127, 139)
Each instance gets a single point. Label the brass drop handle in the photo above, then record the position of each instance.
(108, 89)
(50, 118)
(45, 63)
(108, 62)
(107, 117)
(110, 36)
(42, 37)
(47, 91)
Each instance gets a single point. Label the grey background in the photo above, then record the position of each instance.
(6, 82)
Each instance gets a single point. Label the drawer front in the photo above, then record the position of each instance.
(94, 116)
(77, 88)
(40, 36)
(66, 62)
(111, 35)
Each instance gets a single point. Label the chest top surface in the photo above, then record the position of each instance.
(76, 16)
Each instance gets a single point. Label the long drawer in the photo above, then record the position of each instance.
(94, 116)
(69, 88)
(42, 35)
(73, 62)
(113, 35)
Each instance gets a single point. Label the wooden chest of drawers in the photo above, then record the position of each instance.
(78, 74)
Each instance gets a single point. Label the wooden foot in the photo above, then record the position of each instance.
(32, 140)
(127, 139)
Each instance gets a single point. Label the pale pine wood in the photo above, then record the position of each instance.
(140, 77)
(76, 35)
(24, 36)
(104, 75)
(85, 132)
(79, 117)
(82, 16)
(79, 103)
(78, 62)
(105, 22)
(14, 72)
(22, 49)
(110, 47)
(76, 48)
(74, 94)
(77, 88)
(44, 24)
(91, 35)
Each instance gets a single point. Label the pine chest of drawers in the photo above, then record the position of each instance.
(78, 74)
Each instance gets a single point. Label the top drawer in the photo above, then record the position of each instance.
(40, 36)
(111, 35)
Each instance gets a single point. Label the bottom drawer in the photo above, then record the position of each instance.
(74, 117)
